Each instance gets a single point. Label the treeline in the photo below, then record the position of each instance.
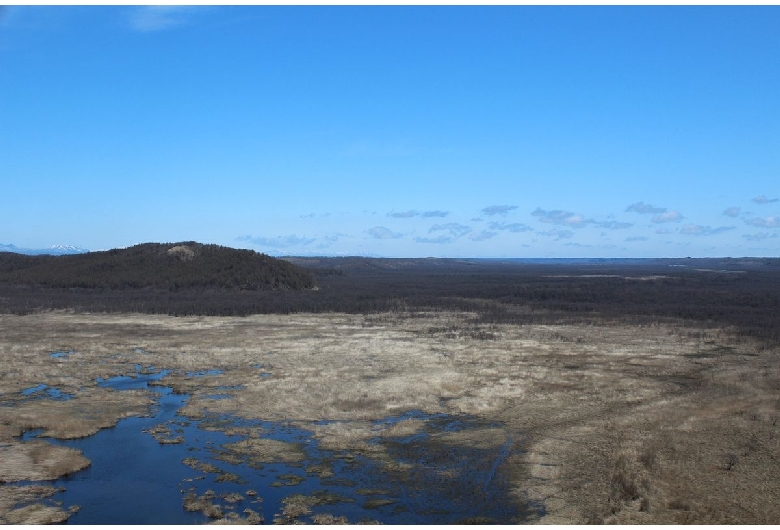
(156, 266)
(640, 292)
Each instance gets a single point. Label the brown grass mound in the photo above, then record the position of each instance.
(38, 461)
(263, 450)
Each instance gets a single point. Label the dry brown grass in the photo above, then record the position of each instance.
(623, 424)
(20, 505)
(38, 461)
(266, 450)
(37, 514)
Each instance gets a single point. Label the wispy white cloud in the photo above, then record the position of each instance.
(641, 207)
(455, 229)
(278, 241)
(158, 18)
(498, 209)
(511, 227)
(573, 244)
(663, 231)
(561, 217)
(662, 215)
(403, 215)
(759, 237)
(614, 225)
(415, 213)
(441, 240)
(699, 230)
(435, 213)
(763, 199)
(381, 232)
(482, 236)
(672, 216)
(733, 211)
(637, 238)
(764, 222)
(332, 238)
(557, 234)
(328, 240)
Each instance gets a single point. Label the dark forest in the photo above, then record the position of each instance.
(167, 279)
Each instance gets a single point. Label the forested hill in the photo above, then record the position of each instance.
(167, 266)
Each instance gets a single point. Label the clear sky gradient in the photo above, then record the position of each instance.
(394, 131)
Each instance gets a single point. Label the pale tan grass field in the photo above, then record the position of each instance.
(619, 423)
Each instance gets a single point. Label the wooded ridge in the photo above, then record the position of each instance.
(159, 266)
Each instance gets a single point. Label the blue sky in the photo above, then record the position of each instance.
(394, 131)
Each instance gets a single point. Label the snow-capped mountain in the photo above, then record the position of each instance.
(56, 250)
(65, 249)
(8, 248)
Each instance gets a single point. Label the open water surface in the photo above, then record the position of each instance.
(135, 479)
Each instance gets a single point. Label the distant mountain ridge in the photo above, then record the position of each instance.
(54, 250)
(161, 266)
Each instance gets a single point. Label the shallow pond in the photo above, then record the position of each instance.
(144, 470)
(45, 391)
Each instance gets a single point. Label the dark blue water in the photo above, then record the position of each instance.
(134, 479)
(44, 391)
(139, 381)
(204, 372)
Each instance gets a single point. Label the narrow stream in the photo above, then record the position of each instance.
(144, 468)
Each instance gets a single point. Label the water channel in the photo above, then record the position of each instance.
(145, 469)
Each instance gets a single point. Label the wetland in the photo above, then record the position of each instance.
(183, 446)
(468, 410)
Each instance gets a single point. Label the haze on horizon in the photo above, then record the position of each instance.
(511, 131)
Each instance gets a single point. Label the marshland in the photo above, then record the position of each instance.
(400, 391)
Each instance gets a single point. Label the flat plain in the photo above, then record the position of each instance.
(657, 420)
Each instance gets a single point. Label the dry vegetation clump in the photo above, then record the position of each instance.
(403, 428)
(372, 504)
(232, 498)
(293, 507)
(203, 503)
(479, 438)
(296, 506)
(89, 411)
(38, 461)
(162, 433)
(251, 517)
(326, 518)
(21, 505)
(37, 514)
(230, 477)
(350, 436)
(266, 450)
(288, 480)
